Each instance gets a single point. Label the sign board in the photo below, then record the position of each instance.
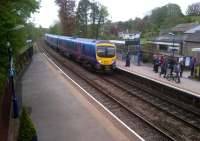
(132, 42)
(187, 61)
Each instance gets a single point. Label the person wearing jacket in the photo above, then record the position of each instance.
(192, 65)
(177, 71)
(128, 59)
(164, 67)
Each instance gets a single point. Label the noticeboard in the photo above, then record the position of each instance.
(187, 61)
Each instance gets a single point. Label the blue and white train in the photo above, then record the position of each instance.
(99, 54)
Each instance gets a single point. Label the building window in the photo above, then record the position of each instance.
(163, 48)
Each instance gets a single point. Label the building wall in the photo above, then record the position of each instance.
(187, 49)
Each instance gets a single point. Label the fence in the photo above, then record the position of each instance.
(6, 100)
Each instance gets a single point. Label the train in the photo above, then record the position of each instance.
(99, 54)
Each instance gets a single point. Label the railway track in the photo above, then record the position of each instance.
(186, 115)
(184, 124)
(149, 119)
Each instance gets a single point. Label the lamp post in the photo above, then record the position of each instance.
(138, 48)
(139, 52)
(11, 73)
(173, 49)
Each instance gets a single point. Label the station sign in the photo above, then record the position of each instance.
(132, 42)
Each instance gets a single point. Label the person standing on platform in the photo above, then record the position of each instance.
(177, 71)
(164, 67)
(171, 65)
(192, 64)
(128, 59)
(156, 64)
(161, 60)
(182, 64)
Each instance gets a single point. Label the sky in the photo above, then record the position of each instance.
(119, 10)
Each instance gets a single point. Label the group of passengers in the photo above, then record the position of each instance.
(168, 65)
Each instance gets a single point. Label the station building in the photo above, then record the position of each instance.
(185, 38)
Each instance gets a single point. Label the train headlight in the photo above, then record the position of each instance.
(100, 61)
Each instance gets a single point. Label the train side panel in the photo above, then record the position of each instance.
(84, 50)
(89, 53)
(80, 51)
(66, 46)
(52, 40)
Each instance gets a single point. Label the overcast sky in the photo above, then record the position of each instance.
(119, 10)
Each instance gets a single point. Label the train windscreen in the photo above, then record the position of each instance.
(105, 51)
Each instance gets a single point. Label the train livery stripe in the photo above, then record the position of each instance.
(105, 44)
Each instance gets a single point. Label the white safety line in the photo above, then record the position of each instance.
(178, 88)
(138, 136)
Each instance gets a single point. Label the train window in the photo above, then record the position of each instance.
(106, 51)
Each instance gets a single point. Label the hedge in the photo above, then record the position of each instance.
(27, 131)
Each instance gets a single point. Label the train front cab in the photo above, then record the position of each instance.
(105, 56)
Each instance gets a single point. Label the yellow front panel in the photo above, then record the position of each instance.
(104, 60)
(105, 44)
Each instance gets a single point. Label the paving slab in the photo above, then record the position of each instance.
(59, 110)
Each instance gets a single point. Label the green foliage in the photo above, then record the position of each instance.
(82, 18)
(55, 29)
(161, 19)
(194, 19)
(145, 58)
(13, 13)
(33, 33)
(27, 130)
(86, 21)
(91, 20)
(194, 9)
(67, 16)
(162, 16)
(108, 37)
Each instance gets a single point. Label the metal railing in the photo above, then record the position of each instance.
(9, 97)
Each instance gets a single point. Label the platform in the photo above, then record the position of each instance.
(186, 85)
(59, 110)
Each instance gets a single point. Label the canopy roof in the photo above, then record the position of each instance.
(196, 49)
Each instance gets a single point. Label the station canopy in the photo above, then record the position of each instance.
(196, 49)
(173, 48)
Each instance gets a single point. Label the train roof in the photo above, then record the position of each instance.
(51, 35)
(82, 40)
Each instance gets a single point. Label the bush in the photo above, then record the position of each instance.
(145, 58)
(27, 131)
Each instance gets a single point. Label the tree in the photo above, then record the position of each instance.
(67, 16)
(103, 14)
(173, 10)
(193, 10)
(159, 14)
(13, 13)
(82, 18)
(98, 17)
(94, 16)
(55, 29)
